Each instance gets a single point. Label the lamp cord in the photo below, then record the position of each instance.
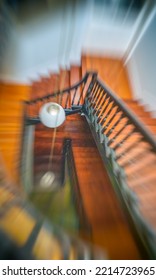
(55, 128)
(62, 84)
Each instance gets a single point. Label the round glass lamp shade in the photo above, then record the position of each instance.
(52, 114)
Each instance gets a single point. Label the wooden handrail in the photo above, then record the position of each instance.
(132, 117)
(66, 90)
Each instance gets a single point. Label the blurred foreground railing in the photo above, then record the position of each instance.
(26, 234)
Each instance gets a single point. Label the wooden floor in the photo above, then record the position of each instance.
(111, 71)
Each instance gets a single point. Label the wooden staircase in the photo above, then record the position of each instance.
(10, 142)
(108, 226)
(109, 70)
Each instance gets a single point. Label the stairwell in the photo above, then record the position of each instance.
(54, 82)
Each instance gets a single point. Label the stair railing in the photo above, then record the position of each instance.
(126, 145)
(130, 150)
(72, 99)
(69, 163)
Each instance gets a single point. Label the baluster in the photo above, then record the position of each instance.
(38, 106)
(69, 93)
(68, 102)
(100, 96)
(101, 115)
(108, 122)
(61, 98)
(120, 114)
(92, 90)
(96, 97)
(74, 95)
(106, 113)
(101, 104)
(117, 134)
(81, 94)
(90, 82)
(88, 88)
(94, 93)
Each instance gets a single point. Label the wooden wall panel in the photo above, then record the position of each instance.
(11, 118)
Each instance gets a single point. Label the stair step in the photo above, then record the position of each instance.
(75, 74)
(33, 93)
(54, 82)
(64, 80)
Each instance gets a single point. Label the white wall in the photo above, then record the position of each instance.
(41, 44)
(142, 66)
(57, 36)
(109, 31)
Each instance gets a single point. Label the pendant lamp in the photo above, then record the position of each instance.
(52, 114)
